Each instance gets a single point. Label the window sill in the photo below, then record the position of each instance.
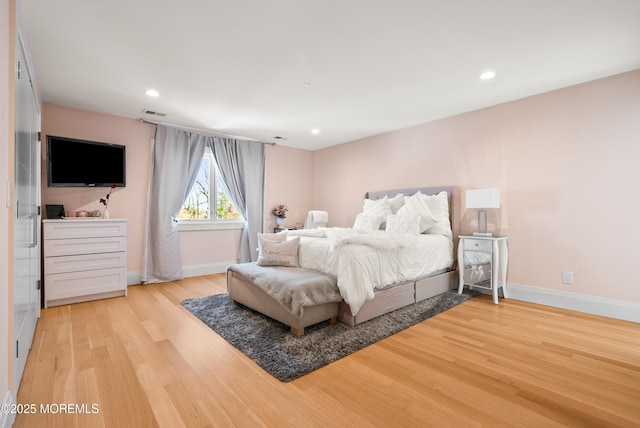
(209, 225)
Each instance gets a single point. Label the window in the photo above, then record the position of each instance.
(205, 195)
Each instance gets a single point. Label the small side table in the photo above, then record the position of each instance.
(480, 252)
(281, 229)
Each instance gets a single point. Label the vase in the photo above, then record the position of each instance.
(281, 221)
(105, 213)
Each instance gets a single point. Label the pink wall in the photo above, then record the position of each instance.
(289, 182)
(127, 202)
(567, 163)
(288, 178)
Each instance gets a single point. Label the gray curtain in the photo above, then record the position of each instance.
(242, 166)
(176, 158)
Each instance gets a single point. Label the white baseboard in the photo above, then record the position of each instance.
(7, 419)
(133, 278)
(612, 308)
(205, 269)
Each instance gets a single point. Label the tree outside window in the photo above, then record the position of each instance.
(198, 204)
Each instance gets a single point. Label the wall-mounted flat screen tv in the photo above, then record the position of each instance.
(82, 163)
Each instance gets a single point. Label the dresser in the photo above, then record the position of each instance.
(84, 259)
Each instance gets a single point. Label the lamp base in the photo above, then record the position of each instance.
(482, 224)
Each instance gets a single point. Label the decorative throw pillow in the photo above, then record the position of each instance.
(378, 208)
(367, 222)
(439, 207)
(416, 204)
(403, 224)
(396, 202)
(279, 253)
(272, 237)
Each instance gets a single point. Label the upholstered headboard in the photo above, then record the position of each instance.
(454, 204)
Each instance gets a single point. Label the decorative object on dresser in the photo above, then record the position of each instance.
(479, 259)
(105, 202)
(55, 211)
(483, 199)
(287, 357)
(84, 260)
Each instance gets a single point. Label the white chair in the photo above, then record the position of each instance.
(316, 219)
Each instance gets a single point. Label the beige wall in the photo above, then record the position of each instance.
(568, 165)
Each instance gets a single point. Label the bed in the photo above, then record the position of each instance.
(349, 255)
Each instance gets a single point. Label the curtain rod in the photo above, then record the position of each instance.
(203, 131)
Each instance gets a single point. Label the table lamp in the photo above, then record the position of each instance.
(483, 199)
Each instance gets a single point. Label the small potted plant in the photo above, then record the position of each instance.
(280, 212)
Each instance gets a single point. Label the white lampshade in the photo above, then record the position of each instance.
(483, 198)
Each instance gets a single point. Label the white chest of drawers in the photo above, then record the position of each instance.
(84, 259)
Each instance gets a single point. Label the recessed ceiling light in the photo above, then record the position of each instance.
(315, 131)
(488, 75)
(152, 93)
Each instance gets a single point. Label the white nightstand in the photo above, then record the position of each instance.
(479, 258)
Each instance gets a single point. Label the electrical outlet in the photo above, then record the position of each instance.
(567, 277)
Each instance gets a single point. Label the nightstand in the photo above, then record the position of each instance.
(479, 259)
(281, 229)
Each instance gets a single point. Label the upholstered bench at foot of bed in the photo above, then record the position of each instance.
(242, 290)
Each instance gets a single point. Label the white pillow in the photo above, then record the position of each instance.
(279, 253)
(367, 222)
(396, 202)
(439, 207)
(273, 237)
(378, 208)
(416, 204)
(403, 224)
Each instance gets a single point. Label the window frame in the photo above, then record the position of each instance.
(213, 222)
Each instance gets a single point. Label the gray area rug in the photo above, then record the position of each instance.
(287, 357)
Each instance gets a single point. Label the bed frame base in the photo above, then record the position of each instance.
(399, 296)
(242, 291)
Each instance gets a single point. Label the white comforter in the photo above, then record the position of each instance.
(363, 262)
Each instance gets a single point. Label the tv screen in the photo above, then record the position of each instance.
(80, 163)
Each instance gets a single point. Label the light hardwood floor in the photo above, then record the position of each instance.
(145, 361)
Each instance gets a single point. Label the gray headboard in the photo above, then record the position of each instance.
(454, 204)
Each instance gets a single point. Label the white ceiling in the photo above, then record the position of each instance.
(350, 68)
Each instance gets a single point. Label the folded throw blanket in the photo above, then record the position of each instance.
(293, 288)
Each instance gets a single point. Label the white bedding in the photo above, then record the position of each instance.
(365, 261)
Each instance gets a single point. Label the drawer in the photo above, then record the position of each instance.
(94, 228)
(477, 245)
(69, 247)
(66, 285)
(84, 262)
